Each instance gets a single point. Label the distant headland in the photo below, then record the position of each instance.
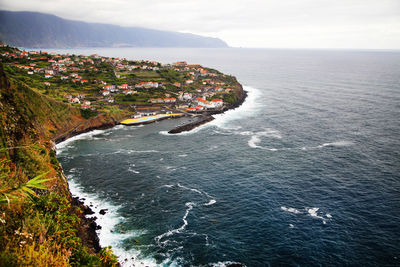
(39, 30)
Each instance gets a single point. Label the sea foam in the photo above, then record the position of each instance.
(64, 145)
(250, 107)
(107, 234)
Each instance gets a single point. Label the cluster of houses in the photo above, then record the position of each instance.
(203, 104)
(78, 99)
(65, 67)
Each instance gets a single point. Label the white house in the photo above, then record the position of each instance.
(109, 87)
(75, 100)
(105, 92)
(147, 85)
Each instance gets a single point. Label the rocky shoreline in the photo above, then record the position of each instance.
(100, 122)
(207, 117)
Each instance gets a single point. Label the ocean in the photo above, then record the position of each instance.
(305, 172)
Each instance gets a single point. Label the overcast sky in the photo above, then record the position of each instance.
(371, 24)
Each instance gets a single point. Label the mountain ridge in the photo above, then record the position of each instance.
(40, 30)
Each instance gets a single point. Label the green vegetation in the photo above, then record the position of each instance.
(38, 224)
(88, 113)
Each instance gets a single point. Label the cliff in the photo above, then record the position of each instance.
(40, 224)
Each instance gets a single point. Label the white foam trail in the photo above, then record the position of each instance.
(246, 133)
(328, 215)
(130, 151)
(107, 235)
(291, 210)
(211, 202)
(191, 189)
(338, 143)
(189, 206)
(249, 108)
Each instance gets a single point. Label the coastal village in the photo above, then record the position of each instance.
(134, 89)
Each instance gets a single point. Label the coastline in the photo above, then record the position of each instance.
(208, 116)
(90, 226)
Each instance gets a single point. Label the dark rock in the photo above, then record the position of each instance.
(103, 211)
(192, 125)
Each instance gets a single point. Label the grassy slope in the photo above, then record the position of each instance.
(42, 230)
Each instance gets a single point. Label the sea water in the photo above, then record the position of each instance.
(305, 172)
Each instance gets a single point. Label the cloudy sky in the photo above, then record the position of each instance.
(370, 24)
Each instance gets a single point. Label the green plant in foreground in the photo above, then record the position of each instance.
(23, 190)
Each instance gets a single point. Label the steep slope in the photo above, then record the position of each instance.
(36, 30)
(41, 227)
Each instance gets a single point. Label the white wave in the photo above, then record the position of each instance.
(291, 225)
(249, 108)
(107, 234)
(291, 210)
(255, 139)
(119, 126)
(64, 145)
(253, 142)
(182, 155)
(225, 263)
(211, 202)
(328, 215)
(164, 133)
(189, 206)
(313, 212)
(338, 143)
(133, 171)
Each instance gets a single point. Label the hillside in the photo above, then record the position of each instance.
(39, 224)
(38, 30)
